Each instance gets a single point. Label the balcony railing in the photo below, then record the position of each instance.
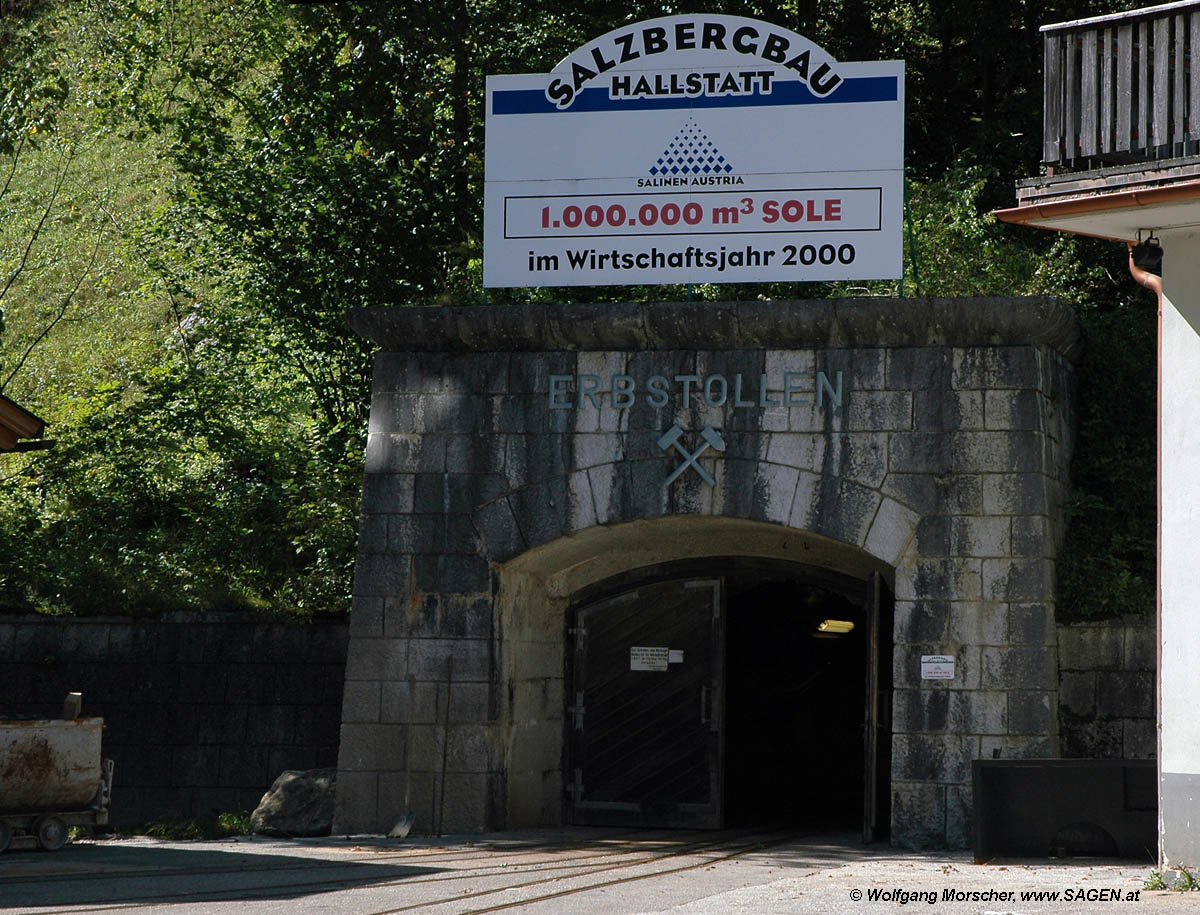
(1123, 88)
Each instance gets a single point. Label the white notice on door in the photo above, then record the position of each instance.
(937, 667)
(642, 658)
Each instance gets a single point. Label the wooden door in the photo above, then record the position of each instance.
(645, 711)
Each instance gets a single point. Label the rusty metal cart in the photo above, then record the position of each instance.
(52, 777)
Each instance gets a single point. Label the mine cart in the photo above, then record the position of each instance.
(51, 778)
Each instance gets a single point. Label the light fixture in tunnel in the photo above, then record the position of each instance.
(838, 627)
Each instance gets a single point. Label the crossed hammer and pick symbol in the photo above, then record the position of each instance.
(711, 439)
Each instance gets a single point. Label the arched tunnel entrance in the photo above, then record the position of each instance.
(729, 691)
(671, 672)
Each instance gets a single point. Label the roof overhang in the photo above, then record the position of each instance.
(1119, 216)
(17, 423)
(1117, 203)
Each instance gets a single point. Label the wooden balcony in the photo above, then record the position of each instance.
(1122, 143)
(1123, 88)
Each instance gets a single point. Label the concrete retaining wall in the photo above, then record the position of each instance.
(201, 712)
(1106, 689)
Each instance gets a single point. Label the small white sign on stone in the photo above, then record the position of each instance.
(644, 658)
(937, 667)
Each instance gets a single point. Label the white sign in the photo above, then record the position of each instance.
(937, 667)
(695, 149)
(641, 658)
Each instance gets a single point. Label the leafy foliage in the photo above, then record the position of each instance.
(149, 487)
(1107, 564)
(221, 182)
(221, 826)
(191, 469)
(34, 86)
(959, 248)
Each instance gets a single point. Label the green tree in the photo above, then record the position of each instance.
(34, 92)
(308, 159)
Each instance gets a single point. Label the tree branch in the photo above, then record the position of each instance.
(37, 231)
(62, 312)
(12, 171)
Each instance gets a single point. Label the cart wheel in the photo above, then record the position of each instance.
(5, 836)
(51, 833)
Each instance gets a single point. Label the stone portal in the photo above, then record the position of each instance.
(521, 456)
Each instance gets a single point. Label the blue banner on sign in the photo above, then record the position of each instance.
(791, 92)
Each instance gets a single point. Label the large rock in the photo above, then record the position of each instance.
(298, 804)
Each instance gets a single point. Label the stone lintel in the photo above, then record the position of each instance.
(790, 324)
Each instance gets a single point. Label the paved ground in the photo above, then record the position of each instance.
(561, 872)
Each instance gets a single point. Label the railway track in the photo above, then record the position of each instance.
(496, 877)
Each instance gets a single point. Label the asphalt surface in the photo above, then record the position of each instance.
(562, 871)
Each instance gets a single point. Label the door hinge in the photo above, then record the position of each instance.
(577, 710)
(575, 789)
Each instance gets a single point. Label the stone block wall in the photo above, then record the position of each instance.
(201, 712)
(945, 460)
(977, 582)
(1106, 689)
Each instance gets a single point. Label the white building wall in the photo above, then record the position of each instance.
(1179, 554)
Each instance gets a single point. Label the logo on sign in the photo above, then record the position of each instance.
(690, 153)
